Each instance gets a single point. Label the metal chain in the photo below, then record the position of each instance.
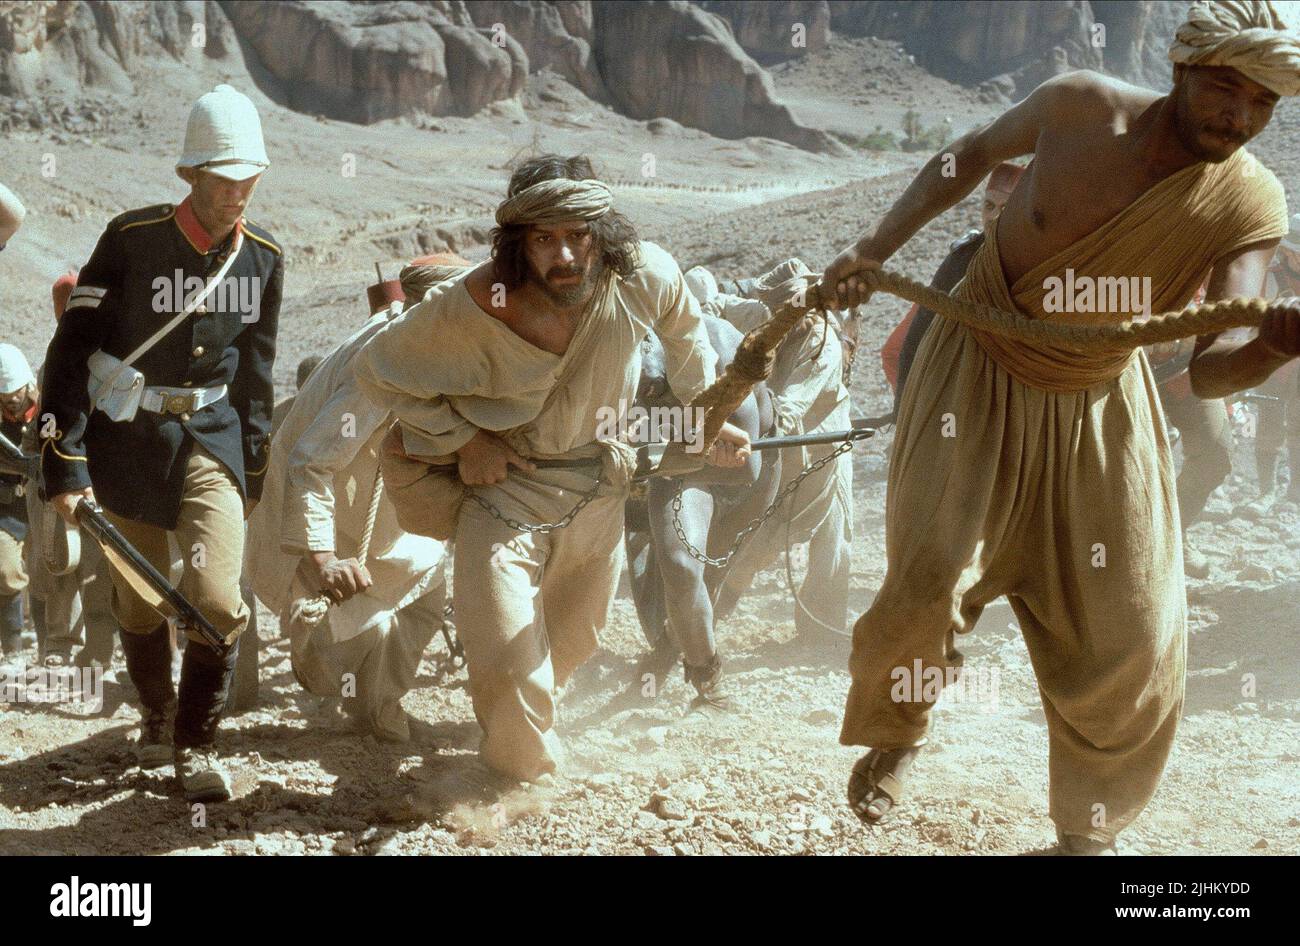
(749, 530)
(455, 648)
(544, 527)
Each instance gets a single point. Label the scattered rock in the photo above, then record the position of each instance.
(821, 717)
(690, 792)
(670, 809)
(1255, 572)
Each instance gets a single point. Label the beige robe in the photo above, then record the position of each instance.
(448, 369)
(316, 497)
(809, 396)
(1046, 476)
(529, 605)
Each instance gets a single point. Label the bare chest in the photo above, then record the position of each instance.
(541, 328)
(1073, 188)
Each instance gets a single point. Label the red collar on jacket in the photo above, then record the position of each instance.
(193, 230)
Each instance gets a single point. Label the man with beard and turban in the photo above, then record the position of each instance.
(17, 416)
(525, 357)
(1045, 474)
(304, 536)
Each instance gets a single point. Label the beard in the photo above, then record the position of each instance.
(1205, 142)
(568, 295)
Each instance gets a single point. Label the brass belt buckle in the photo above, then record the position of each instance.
(178, 403)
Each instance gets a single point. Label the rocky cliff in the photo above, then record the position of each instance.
(364, 62)
(1012, 45)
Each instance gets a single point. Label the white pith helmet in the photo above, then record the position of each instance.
(224, 136)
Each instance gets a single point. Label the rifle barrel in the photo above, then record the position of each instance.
(106, 534)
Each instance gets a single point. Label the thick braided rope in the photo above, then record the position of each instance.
(1133, 333)
(754, 358)
(314, 609)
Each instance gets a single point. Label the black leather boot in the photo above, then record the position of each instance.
(148, 663)
(205, 687)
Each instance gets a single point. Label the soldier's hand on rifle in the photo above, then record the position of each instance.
(731, 449)
(487, 459)
(337, 578)
(1279, 333)
(65, 504)
(842, 282)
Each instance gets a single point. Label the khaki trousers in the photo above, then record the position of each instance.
(1279, 425)
(1064, 503)
(13, 571)
(528, 607)
(1207, 450)
(819, 512)
(78, 605)
(371, 671)
(210, 534)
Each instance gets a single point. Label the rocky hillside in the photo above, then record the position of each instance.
(1013, 46)
(700, 64)
(364, 62)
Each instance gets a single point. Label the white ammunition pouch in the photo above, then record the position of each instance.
(115, 387)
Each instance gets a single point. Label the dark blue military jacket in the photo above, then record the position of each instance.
(125, 293)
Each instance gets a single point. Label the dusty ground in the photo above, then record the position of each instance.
(645, 776)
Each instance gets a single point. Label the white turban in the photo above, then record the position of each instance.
(553, 200)
(1256, 37)
(15, 372)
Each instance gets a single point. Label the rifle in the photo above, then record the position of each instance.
(134, 568)
(17, 463)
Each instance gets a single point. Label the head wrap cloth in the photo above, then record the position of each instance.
(555, 200)
(1257, 38)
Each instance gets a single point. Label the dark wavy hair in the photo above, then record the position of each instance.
(614, 235)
